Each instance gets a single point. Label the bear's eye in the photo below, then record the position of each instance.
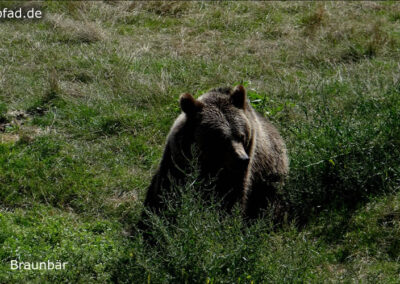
(242, 137)
(215, 135)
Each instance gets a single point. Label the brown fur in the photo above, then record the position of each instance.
(237, 146)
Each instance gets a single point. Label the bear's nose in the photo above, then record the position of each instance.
(242, 160)
(241, 156)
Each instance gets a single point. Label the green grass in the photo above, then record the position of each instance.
(92, 248)
(87, 97)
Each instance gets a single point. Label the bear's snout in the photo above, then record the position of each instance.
(242, 161)
(241, 156)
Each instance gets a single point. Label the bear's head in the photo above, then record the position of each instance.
(222, 128)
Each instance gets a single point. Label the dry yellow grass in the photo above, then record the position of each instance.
(76, 31)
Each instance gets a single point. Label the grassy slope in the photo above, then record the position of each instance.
(97, 85)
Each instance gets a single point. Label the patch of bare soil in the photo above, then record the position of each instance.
(14, 126)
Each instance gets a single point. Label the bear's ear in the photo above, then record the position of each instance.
(190, 105)
(238, 97)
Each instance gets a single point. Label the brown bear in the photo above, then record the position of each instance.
(237, 147)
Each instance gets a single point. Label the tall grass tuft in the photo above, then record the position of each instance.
(357, 160)
(194, 241)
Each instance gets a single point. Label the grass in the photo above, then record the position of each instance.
(87, 97)
(91, 248)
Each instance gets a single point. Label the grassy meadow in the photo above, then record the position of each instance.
(87, 97)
